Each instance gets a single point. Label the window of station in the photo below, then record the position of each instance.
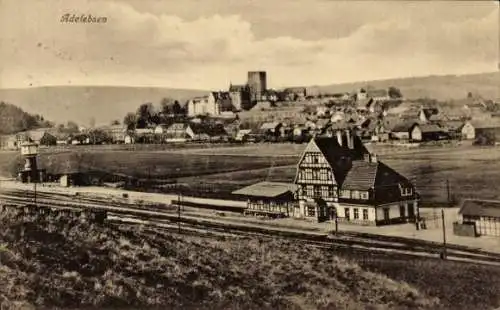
(365, 214)
(356, 213)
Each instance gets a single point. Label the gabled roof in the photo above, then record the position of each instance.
(453, 125)
(365, 175)
(178, 126)
(208, 129)
(267, 189)
(428, 128)
(476, 207)
(403, 126)
(362, 176)
(331, 148)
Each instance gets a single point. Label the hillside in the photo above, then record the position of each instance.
(81, 103)
(13, 119)
(438, 87)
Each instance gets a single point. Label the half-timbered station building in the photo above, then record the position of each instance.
(483, 214)
(338, 178)
(271, 199)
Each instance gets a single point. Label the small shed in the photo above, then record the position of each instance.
(272, 199)
(485, 214)
(402, 131)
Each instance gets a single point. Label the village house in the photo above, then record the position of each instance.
(117, 133)
(242, 134)
(338, 178)
(271, 199)
(484, 215)
(144, 135)
(371, 129)
(468, 131)
(212, 104)
(40, 136)
(428, 132)
(9, 142)
(299, 130)
(295, 93)
(486, 131)
(240, 96)
(378, 95)
(231, 126)
(207, 131)
(160, 129)
(453, 128)
(270, 95)
(179, 132)
(272, 129)
(402, 131)
(338, 117)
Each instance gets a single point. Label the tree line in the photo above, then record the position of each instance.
(147, 114)
(13, 119)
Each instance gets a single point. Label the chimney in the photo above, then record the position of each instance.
(373, 158)
(339, 137)
(350, 141)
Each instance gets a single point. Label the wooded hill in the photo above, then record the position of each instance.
(13, 119)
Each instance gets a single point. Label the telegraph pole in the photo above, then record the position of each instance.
(336, 222)
(448, 190)
(179, 211)
(444, 235)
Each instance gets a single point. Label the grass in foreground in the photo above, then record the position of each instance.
(65, 263)
(60, 262)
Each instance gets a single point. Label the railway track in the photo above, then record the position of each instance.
(168, 221)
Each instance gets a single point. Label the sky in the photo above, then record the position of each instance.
(207, 44)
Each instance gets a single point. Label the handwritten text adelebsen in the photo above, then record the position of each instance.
(83, 19)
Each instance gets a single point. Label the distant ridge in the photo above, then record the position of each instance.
(441, 87)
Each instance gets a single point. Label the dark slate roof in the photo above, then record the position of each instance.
(330, 147)
(267, 189)
(429, 128)
(209, 129)
(473, 207)
(362, 176)
(453, 125)
(365, 175)
(402, 127)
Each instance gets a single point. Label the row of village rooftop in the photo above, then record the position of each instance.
(416, 125)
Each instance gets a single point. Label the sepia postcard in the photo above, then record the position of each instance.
(249, 154)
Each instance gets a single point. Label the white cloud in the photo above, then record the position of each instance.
(142, 48)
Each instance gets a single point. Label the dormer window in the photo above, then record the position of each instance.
(405, 191)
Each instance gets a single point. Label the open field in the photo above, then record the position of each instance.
(59, 262)
(145, 164)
